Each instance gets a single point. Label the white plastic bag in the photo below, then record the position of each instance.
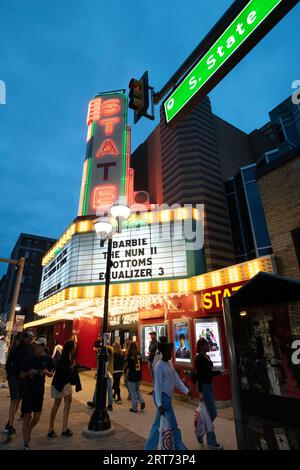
(199, 422)
(166, 441)
(202, 421)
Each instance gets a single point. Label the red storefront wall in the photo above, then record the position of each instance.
(207, 305)
(86, 331)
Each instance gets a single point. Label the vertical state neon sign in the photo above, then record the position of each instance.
(106, 165)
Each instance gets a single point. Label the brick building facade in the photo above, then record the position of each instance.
(279, 184)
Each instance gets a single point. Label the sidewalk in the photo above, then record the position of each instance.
(131, 430)
(79, 418)
(141, 422)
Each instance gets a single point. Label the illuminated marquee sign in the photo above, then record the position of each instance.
(248, 23)
(137, 254)
(107, 157)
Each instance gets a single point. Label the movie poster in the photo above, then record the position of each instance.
(182, 342)
(209, 329)
(160, 330)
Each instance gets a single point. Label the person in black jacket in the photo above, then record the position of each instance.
(133, 372)
(61, 388)
(117, 373)
(205, 373)
(16, 359)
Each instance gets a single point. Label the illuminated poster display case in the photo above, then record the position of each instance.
(182, 342)
(209, 328)
(160, 329)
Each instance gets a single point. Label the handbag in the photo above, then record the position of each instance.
(166, 440)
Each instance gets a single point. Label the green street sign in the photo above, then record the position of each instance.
(239, 31)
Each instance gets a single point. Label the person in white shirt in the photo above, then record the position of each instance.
(165, 381)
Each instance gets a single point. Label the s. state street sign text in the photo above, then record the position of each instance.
(238, 31)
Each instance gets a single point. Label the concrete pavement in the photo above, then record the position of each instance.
(131, 429)
(142, 421)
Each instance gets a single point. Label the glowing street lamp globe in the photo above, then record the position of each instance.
(120, 210)
(103, 227)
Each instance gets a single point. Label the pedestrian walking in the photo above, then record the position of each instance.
(109, 376)
(165, 381)
(158, 354)
(153, 345)
(204, 376)
(118, 371)
(61, 388)
(57, 351)
(125, 352)
(16, 358)
(133, 372)
(34, 371)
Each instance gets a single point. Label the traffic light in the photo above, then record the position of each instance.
(139, 96)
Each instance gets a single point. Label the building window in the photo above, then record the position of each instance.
(27, 254)
(296, 241)
(32, 267)
(28, 243)
(29, 280)
(36, 243)
(34, 255)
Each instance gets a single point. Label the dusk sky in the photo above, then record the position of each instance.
(56, 55)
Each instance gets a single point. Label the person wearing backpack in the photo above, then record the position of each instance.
(133, 372)
(57, 351)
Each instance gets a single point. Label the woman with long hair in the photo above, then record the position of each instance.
(205, 374)
(61, 388)
(133, 373)
(117, 373)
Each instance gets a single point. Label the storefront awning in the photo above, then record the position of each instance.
(266, 288)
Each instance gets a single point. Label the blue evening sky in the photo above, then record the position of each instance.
(55, 55)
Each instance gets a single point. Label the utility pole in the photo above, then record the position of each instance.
(19, 264)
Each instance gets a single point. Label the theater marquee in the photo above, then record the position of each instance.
(138, 254)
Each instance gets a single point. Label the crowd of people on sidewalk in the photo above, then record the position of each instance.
(29, 363)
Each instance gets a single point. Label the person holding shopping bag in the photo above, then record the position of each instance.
(204, 378)
(165, 381)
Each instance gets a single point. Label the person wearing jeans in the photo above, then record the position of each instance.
(165, 381)
(118, 370)
(205, 374)
(133, 372)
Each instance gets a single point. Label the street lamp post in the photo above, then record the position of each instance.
(100, 418)
(100, 422)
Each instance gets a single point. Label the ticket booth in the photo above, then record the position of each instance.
(263, 337)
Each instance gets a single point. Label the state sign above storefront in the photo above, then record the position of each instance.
(211, 300)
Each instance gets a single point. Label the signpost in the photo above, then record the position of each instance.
(241, 28)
